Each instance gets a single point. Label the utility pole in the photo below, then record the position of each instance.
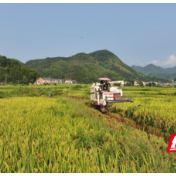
(6, 78)
(172, 84)
(69, 79)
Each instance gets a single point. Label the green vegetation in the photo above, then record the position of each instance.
(86, 68)
(140, 83)
(16, 71)
(151, 84)
(169, 76)
(156, 71)
(63, 134)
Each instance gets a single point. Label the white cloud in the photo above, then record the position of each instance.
(171, 61)
(155, 62)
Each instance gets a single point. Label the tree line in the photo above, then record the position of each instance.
(13, 71)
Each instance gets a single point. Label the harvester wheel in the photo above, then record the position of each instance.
(103, 108)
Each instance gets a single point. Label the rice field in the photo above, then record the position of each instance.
(152, 107)
(39, 134)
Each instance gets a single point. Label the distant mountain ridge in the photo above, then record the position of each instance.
(153, 70)
(86, 68)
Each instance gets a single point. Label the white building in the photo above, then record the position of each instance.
(136, 83)
(118, 82)
(47, 80)
(144, 83)
(68, 81)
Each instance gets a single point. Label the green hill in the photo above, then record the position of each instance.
(87, 68)
(170, 76)
(16, 71)
(153, 70)
(149, 69)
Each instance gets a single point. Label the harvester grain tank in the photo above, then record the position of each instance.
(104, 93)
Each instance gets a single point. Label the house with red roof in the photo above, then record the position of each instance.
(2, 82)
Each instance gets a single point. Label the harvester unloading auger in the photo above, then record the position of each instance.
(103, 94)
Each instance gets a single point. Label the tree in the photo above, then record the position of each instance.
(151, 84)
(25, 80)
(118, 84)
(140, 83)
(15, 71)
(130, 83)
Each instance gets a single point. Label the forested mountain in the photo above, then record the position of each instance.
(170, 76)
(153, 70)
(15, 70)
(86, 68)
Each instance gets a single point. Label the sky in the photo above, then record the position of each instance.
(139, 34)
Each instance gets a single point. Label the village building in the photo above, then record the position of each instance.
(2, 82)
(128, 83)
(136, 83)
(144, 83)
(68, 82)
(174, 83)
(122, 83)
(47, 81)
(147, 82)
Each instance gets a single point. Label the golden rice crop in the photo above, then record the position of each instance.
(56, 135)
(41, 134)
(151, 109)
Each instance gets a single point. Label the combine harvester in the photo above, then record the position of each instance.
(103, 94)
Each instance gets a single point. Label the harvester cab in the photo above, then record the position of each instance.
(103, 94)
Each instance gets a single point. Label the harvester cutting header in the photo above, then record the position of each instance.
(103, 94)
